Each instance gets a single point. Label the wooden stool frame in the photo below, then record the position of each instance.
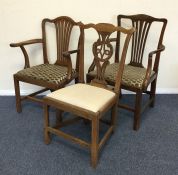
(104, 31)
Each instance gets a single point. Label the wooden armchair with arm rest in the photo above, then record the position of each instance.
(136, 77)
(47, 75)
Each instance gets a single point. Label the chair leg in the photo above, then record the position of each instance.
(58, 117)
(76, 80)
(86, 122)
(137, 112)
(153, 92)
(94, 141)
(88, 79)
(120, 94)
(51, 90)
(113, 116)
(47, 139)
(17, 94)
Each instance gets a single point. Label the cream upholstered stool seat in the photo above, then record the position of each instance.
(84, 96)
(87, 102)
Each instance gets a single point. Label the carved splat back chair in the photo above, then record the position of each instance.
(90, 101)
(136, 77)
(51, 76)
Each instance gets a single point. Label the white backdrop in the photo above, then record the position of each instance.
(21, 20)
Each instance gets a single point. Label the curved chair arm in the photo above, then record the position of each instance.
(27, 42)
(149, 66)
(157, 51)
(113, 39)
(67, 55)
(22, 44)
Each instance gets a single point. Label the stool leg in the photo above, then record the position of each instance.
(46, 124)
(113, 116)
(94, 141)
(58, 117)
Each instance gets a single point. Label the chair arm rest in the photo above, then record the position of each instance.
(113, 39)
(149, 66)
(157, 51)
(68, 53)
(148, 73)
(69, 62)
(23, 43)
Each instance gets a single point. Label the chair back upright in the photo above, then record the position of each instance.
(63, 28)
(142, 23)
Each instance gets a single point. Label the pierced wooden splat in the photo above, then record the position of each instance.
(103, 49)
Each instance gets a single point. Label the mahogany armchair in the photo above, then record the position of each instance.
(90, 101)
(136, 76)
(48, 75)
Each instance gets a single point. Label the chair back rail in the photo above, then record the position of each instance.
(142, 23)
(63, 27)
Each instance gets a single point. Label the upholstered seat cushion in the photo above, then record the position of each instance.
(84, 96)
(132, 76)
(45, 72)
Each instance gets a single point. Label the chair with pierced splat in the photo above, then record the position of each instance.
(90, 101)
